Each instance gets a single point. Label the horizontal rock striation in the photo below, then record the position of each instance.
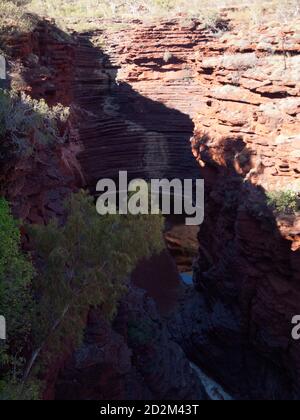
(141, 94)
(40, 64)
(247, 144)
(47, 64)
(252, 96)
(240, 88)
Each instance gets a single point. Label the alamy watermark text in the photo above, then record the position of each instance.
(158, 196)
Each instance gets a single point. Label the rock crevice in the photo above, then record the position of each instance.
(140, 94)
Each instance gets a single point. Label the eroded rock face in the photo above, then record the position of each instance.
(142, 92)
(160, 278)
(242, 92)
(108, 365)
(40, 64)
(247, 273)
(134, 360)
(101, 368)
(251, 97)
(136, 104)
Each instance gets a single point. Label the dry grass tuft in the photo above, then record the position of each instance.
(208, 11)
(253, 11)
(13, 18)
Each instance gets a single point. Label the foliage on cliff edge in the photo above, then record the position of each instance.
(26, 124)
(80, 264)
(16, 304)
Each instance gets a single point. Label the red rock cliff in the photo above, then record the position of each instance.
(144, 91)
(241, 90)
(113, 362)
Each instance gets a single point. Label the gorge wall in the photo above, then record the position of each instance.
(239, 88)
(40, 64)
(135, 357)
(247, 143)
(139, 93)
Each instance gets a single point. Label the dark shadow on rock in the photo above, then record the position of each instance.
(159, 276)
(244, 265)
(124, 130)
(238, 326)
(158, 64)
(119, 130)
(227, 336)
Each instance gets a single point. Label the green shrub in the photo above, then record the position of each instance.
(286, 202)
(16, 273)
(14, 390)
(26, 124)
(80, 264)
(85, 263)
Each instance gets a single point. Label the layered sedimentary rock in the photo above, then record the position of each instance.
(141, 80)
(116, 361)
(40, 64)
(241, 89)
(247, 143)
(141, 92)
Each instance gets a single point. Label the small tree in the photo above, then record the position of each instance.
(83, 264)
(16, 304)
(26, 124)
(286, 202)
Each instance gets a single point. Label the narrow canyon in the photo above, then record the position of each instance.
(176, 99)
